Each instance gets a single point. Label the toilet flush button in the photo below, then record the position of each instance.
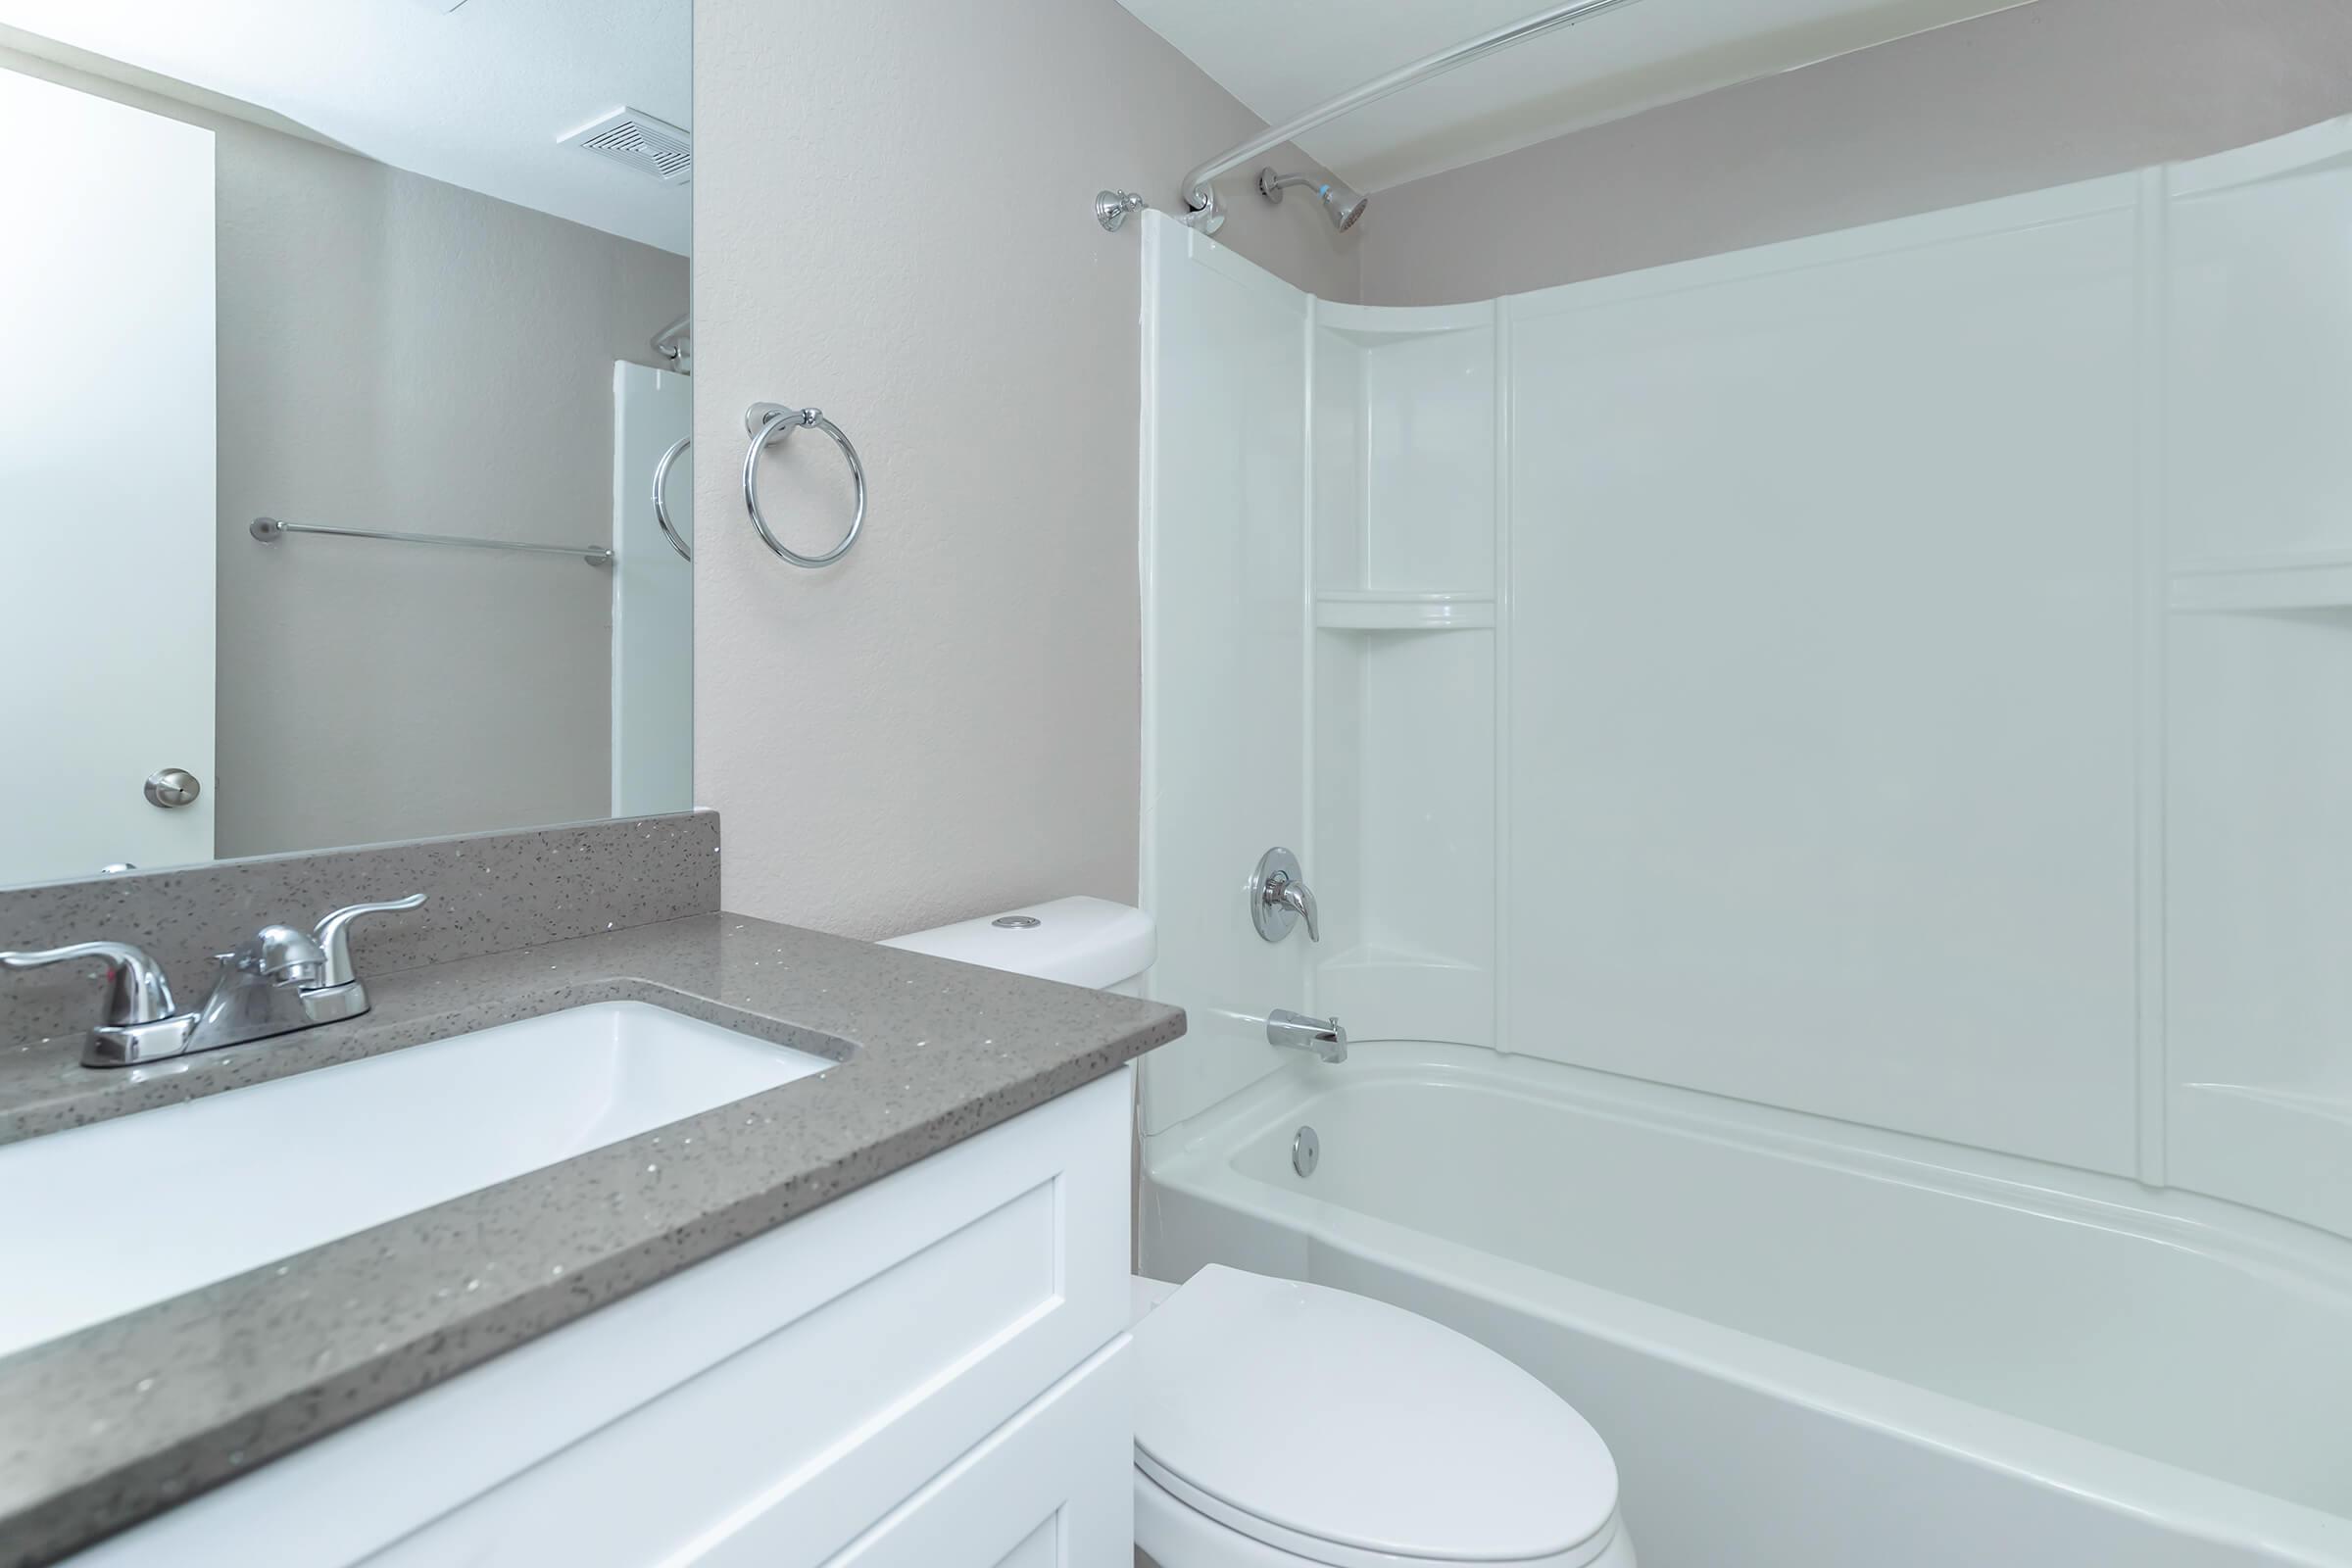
(1017, 922)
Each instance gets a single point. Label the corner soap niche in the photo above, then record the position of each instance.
(1404, 445)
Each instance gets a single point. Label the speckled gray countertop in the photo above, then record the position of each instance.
(114, 1423)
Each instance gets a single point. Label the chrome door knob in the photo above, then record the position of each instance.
(172, 786)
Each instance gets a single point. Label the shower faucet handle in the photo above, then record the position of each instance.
(1299, 899)
(1279, 897)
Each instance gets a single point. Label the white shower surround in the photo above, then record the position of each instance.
(1877, 684)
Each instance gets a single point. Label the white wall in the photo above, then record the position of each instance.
(2047, 93)
(893, 202)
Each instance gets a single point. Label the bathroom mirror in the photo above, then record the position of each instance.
(346, 342)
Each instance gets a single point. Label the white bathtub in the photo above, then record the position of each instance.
(1811, 1344)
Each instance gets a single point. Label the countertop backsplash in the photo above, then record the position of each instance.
(484, 892)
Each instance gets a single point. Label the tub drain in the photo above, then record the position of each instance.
(1306, 1151)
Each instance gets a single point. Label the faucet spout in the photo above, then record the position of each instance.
(1295, 1031)
(258, 990)
(273, 982)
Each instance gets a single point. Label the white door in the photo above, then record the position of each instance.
(652, 596)
(108, 530)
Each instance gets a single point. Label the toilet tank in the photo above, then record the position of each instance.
(1078, 941)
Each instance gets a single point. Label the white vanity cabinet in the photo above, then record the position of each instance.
(931, 1370)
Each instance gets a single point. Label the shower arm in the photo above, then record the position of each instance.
(1199, 189)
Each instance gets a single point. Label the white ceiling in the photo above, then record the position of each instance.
(1283, 58)
(476, 96)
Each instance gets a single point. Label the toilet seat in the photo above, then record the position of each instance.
(1354, 1434)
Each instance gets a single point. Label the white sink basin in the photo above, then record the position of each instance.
(105, 1219)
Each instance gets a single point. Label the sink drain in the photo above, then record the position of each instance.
(1306, 1151)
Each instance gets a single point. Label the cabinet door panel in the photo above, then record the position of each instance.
(1010, 1270)
(1053, 1487)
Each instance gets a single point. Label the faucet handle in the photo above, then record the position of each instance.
(333, 935)
(136, 990)
(1279, 896)
(1299, 898)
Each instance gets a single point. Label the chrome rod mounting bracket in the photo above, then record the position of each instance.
(1206, 210)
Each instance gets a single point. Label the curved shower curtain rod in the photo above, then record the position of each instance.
(1199, 192)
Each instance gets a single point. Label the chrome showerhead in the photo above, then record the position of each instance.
(1342, 203)
(1345, 203)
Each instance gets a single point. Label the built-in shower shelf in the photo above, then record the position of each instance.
(1372, 609)
(2321, 580)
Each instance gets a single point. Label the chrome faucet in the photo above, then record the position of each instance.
(1278, 898)
(275, 981)
(1295, 1031)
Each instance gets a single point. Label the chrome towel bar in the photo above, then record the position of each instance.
(269, 530)
(767, 422)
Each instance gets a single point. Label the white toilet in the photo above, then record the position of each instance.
(1279, 1424)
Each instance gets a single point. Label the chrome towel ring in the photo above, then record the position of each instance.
(771, 422)
(661, 496)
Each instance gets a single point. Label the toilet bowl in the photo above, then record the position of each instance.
(1282, 1423)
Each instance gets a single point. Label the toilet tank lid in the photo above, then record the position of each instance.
(1078, 941)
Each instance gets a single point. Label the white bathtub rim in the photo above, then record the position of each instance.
(2164, 1495)
(1197, 1159)
(2310, 1262)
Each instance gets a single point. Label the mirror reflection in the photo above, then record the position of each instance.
(356, 335)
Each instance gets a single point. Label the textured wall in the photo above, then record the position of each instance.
(2054, 91)
(398, 352)
(892, 222)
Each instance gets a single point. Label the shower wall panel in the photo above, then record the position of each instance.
(1225, 710)
(1823, 665)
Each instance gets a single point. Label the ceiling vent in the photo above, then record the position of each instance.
(637, 140)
